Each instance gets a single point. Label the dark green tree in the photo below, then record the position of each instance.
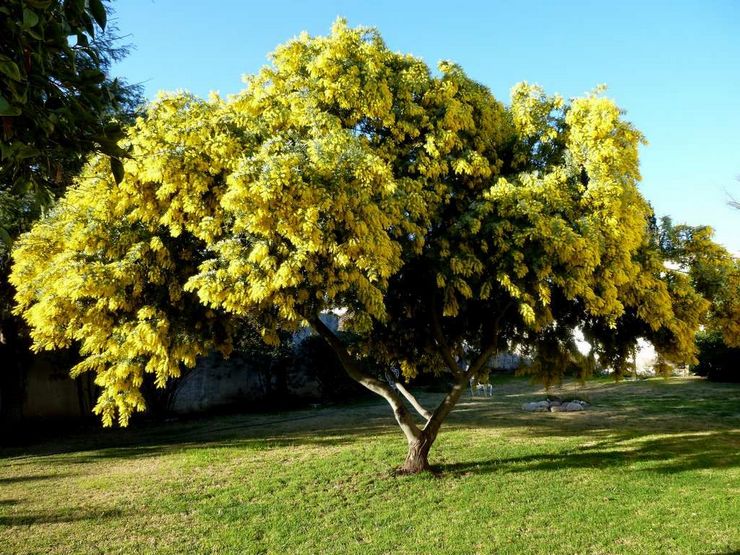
(718, 361)
(58, 103)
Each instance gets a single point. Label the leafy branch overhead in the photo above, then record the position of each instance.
(57, 102)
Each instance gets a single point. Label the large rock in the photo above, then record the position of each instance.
(555, 406)
(536, 406)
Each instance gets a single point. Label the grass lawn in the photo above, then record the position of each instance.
(651, 467)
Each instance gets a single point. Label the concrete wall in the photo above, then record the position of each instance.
(51, 392)
(217, 382)
(214, 383)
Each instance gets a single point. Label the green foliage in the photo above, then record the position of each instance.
(57, 102)
(717, 361)
(712, 270)
(555, 354)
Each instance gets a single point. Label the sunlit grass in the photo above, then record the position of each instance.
(651, 467)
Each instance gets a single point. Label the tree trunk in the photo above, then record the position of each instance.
(419, 440)
(417, 458)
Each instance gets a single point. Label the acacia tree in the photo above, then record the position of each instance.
(346, 176)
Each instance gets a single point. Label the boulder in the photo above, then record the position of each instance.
(537, 406)
(554, 406)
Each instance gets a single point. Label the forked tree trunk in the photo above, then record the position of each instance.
(419, 440)
(417, 458)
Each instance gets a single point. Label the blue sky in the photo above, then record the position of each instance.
(674, 66)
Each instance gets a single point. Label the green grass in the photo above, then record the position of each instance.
(652, 467)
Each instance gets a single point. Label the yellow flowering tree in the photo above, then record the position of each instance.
(346, 176)
(713, 271)
(106, 270)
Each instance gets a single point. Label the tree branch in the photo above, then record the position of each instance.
(424, 413)
(450, 400)
(445, 407)
(355, 371)
(481, 359)
(442, 346)
(492, 348)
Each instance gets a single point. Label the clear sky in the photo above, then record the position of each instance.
(674, 66)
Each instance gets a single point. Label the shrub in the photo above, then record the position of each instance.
(717, 361)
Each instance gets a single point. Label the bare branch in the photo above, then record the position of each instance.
(424, 413)
(355, 371)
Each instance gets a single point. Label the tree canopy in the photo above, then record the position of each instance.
(713, 271)
(349, 177)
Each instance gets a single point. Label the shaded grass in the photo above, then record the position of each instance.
(652, 467)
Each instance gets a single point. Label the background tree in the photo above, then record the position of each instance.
(347, 176)
(718, 361)
(57, 105)
(714, 272)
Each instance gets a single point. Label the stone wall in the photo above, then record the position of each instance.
(216, 382)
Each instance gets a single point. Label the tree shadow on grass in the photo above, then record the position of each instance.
(603, 447)
(29, 478)
(697, 424)
(55, 518)
(666, 455)
(211, 433)
(232, 441)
